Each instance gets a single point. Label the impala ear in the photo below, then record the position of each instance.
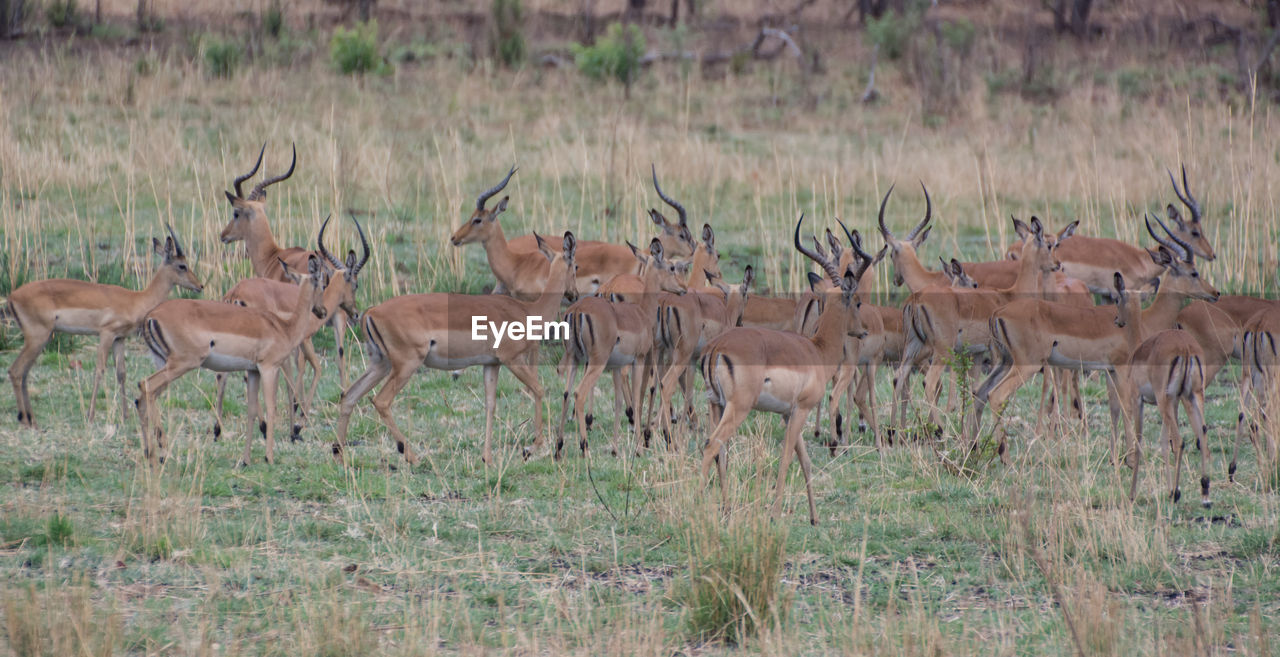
(815, 282)
(924, 234)
(685, 236)
(1162, 256)
(636, 252)
(231, 198)
(1068, 231)
(655, 249)
(660, 220)
(570, 245)
(708, 236)
(543, 247)
(289, 273)
(1021, 228)
(1176, 217)
(160, 249)
(748, 277)
(500, 207)
(313, 266)
(880, 254)
(351, 260)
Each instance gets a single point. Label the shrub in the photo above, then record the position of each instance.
(508, 35)
(62, 13)
(892, 32)
(734, 577)
(221, 57)
(59, 530)
(273, 20)
(355, 51)
(615, 55)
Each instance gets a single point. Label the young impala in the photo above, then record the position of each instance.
(83, 308)
(779, 372)
(1164, 368)
(185, 334)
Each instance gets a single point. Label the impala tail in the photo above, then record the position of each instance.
(714, 366)
(580, 327)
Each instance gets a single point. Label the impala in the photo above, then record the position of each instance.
(185, 334)
(249, 224)
(277, 298)
(1094, 260)
(435, 330)
(703, 266)
(523, 274)
(1163, 368)
(1031, 333)
(685, 324)
(83, 308)
(1258, 384)
(606, 335)
(941, 320)
(779, 372)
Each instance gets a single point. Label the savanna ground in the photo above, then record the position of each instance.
(105, 138)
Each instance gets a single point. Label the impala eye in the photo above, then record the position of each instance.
(182, 267)
(1195, 234)
(476, 220)
(1195, 274)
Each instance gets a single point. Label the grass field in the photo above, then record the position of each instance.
(603, 555)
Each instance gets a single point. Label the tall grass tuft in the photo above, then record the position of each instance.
(734, 589)
(60, 620)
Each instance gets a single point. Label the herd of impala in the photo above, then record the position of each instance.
(648, 316)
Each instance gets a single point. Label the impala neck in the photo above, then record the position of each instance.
(548, 302)
(833, 323)
(1163, 311)
(913, 271)
(1133, 324)
(262, 247)
(501, 260)
(1030, 280)
(158, 289)
(304, 322)
(698, 267)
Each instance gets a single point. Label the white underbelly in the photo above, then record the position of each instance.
(767, 402)
(1148, 395)
(438, 362)
(227, 363)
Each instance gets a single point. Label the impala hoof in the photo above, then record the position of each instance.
(217, 430)
(1177, 495)
(526, 453)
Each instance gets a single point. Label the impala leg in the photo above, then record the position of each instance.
(666, 396)
(339, 331)
(307, 351)
(1195, 413)
(864, 396)
(252, 385)
(1133, 451)
(621, 399)
(378, 370)
(400, 376)
(490, 402)
(640, 387)
(221, 384)
(118, 348)
(105, 340)
(582, 397)
(292, 370)
(794, 424)
(566, 363)
(806, 466)
(148, 417)
(933, 392)
(270, 380)
(1169, 415)
(686, 388)
(32, 344)
(1000, 393)
(841, 387)
(527, 373)
(1115, 409)
(714, 451)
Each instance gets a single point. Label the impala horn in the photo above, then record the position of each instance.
(484, 198)
(240, 179)
(684, 216)
(260, 190)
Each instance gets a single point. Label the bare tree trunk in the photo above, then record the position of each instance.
(1273, 14)
(366, 9)
(1073, 16)
(97, 12)
(142, 15)
(675, 12)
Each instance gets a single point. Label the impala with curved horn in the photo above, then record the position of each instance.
(779, 372)
(1031, 333)
(42, 308)
(1094, 260)
(277, 298)
(523, 275)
